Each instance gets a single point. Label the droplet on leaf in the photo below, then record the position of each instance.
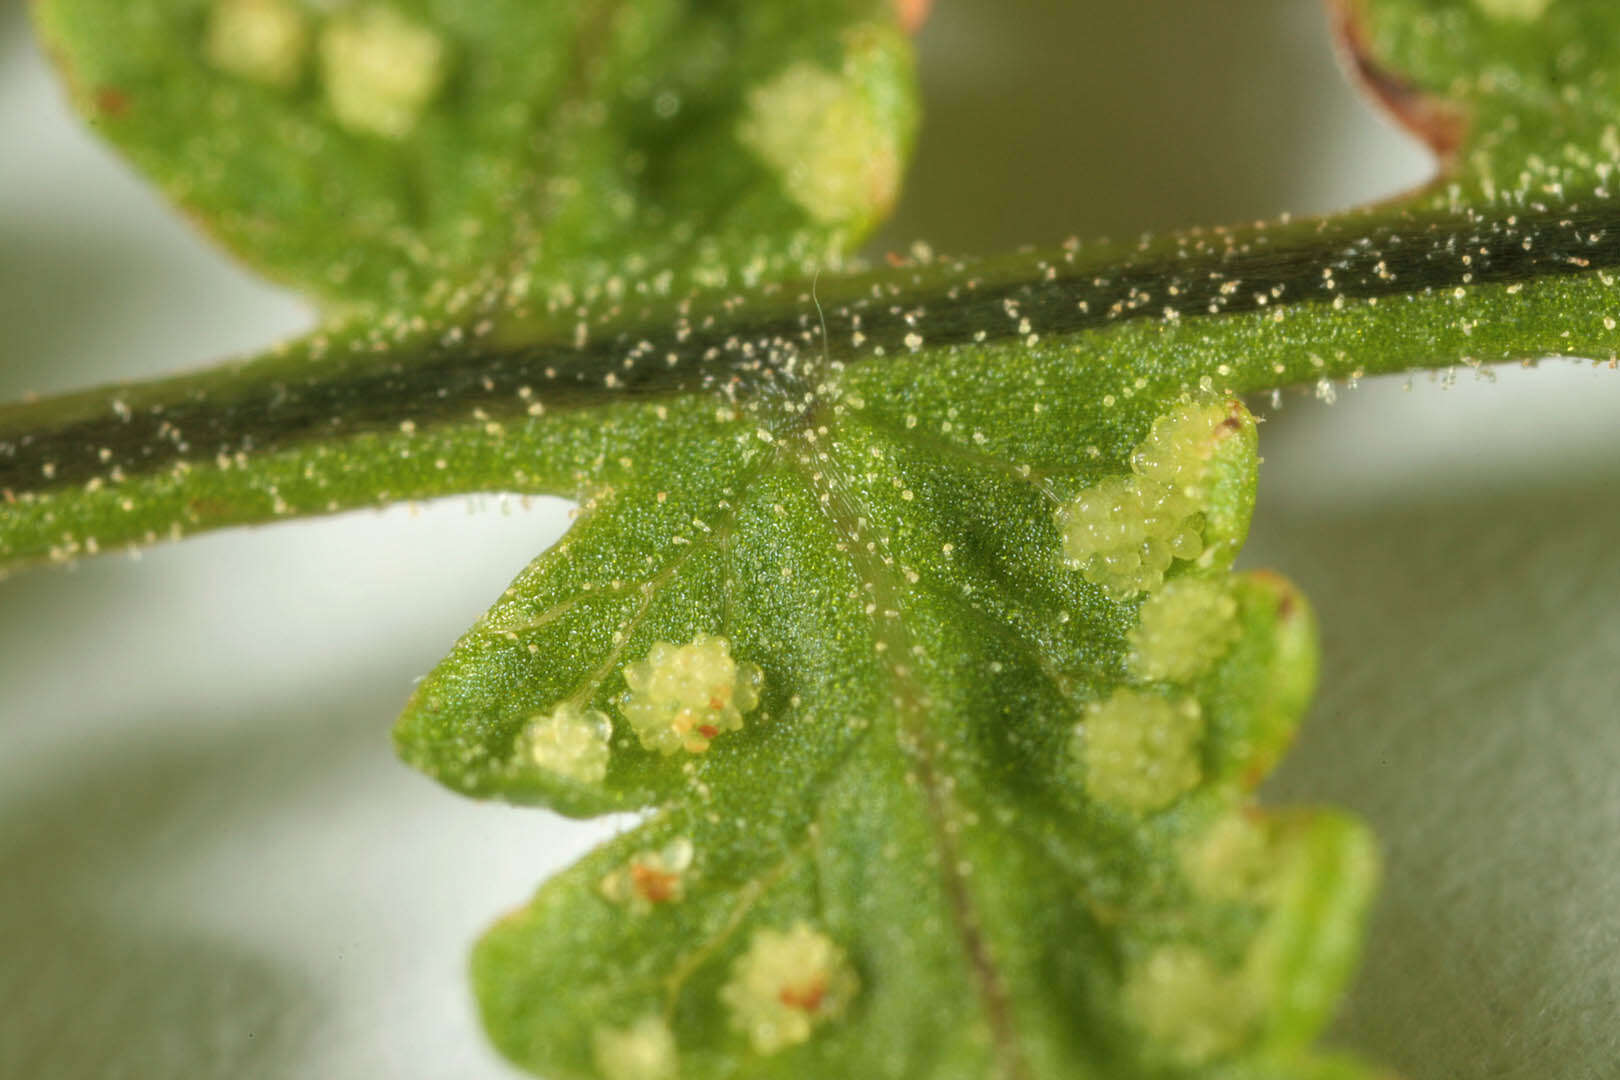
(682, 697)
(1140, 751)
(262, 41)
(643, 1051)
(1188, 1005)
(650, 878)
(381, 70)
(1182, 630)
(571, 741)
(786, 985)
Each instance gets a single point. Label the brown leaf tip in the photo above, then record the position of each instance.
(1439, 123)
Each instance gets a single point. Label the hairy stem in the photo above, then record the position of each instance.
(1235, 310)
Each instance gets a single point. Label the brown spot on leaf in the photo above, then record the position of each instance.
(806, 998)
(111, 101)
(1286, 606)
(208, 507)
(652, 884)
(1237, 418)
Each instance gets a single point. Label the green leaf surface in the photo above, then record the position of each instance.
(985, 809)
(917, 784)
(387, 154)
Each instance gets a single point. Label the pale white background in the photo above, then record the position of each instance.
(212, 866)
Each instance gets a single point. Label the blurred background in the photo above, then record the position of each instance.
(212, 866)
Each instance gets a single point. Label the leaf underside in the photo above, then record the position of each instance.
(991, 813)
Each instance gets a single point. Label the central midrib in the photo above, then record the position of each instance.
(656, 353)
(916, 741)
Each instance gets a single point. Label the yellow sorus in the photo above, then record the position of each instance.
(650, 878)
(787, 984)
(828, 140)
(259, 40)
(682, 697)
(1177, 449)
(1182, 630)
(1231, 860)
(1139, 751)
(643, 1051)
(1188, 1006)
(1123, 532)
(571, 741)
(380, 69)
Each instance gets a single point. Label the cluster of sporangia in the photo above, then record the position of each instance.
(680, 698)
(1137, 751)
(378, 67)
(1140, 747)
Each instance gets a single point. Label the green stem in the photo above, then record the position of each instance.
(363, 416)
